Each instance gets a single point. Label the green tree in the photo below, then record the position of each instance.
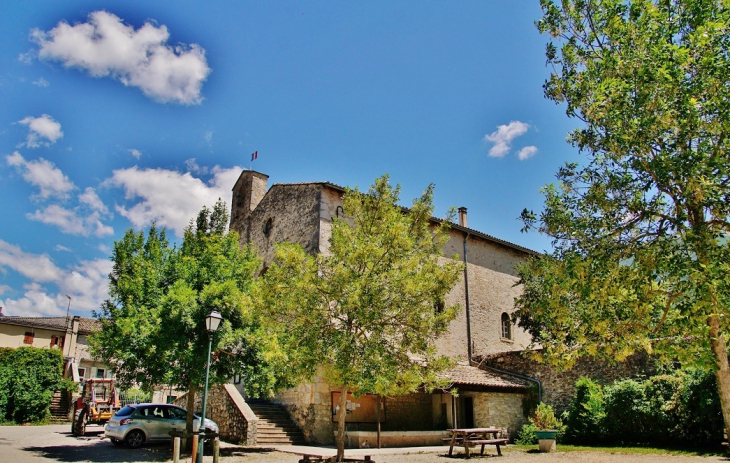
(153, 325)
(370, 306)
(641, 255)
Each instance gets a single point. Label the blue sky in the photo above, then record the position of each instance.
(115, 114)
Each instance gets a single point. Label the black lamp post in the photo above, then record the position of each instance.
(212, 321)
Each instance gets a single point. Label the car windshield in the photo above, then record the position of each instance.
(126, 411)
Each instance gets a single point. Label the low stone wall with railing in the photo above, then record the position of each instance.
(235, 420)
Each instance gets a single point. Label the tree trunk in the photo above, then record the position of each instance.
(719, 349)
(192, 389)
(341, 417)
(377, 416)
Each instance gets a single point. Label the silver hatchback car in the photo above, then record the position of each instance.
(140, 423)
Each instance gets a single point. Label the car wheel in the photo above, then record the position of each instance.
(135, 438)
(115, 441)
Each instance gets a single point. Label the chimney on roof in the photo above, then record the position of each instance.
(462, 217)
(248, 191)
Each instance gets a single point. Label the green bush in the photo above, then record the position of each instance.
(28, 378)
(585, 415)
(665, 410)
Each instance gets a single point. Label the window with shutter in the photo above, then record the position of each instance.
(28, 338)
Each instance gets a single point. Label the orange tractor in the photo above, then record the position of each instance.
(98, 402)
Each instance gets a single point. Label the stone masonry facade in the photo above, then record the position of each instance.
(236, 422)
(303, 213)
(559, 386)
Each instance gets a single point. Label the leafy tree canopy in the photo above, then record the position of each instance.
(367, 307)
(153, 326)
(641, 255)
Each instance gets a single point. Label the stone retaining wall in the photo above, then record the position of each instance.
(235, 420)
(558, 387)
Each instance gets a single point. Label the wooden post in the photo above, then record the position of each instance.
(377, 416)
(195, 446)
(176, 450)
(216, 449)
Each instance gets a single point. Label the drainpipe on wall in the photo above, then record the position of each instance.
(463, 223)
(516, 375)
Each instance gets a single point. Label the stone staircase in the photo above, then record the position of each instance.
(59, 406)
(274, 426)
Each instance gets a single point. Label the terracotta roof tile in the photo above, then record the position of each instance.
(463, 374)
(86, 325)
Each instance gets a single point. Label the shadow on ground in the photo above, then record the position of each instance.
(102, 451)
(241, 451)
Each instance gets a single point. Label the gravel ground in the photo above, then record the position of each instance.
(40, 444)
(509, 455)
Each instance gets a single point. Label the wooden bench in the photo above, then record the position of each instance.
(483, 442)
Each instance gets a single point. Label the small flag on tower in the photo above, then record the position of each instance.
(254, 155)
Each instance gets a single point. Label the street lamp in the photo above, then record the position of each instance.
(211, 324)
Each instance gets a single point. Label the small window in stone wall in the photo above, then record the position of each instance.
(268, 226)
(506, 326)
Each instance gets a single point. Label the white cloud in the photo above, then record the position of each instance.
(104, 248)
(168, 197)
(105, 46)
(84, 220)
(91, 199)
(86, 283)
(43, 174)
(527, 152)
(26, 58)
(209, 136)
(503, 136)
(41, 82)
(60, 247)
(136, 153)
(44, 127)
(192, 166)
(69, 222)
(38, 267)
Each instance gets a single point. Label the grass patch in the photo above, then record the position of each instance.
(630, 450)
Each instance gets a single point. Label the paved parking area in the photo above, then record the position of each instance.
(56, 443)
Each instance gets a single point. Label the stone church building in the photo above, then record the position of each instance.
(302, 213)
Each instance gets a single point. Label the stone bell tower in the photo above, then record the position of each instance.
(250, 188)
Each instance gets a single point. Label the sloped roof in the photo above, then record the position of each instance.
(466, 375)
(453, 225)
(86, 325)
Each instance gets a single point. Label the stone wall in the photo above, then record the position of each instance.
(412, 412)
(558, 387)
(286, 213)
(492, 291)
(235, 420)
(302, 213)
(309, 406)
(498, 410)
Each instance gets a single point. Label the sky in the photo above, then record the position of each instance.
(115, 114)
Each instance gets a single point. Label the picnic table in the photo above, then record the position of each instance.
(471, 437)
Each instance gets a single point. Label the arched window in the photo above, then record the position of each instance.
(506, 326)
